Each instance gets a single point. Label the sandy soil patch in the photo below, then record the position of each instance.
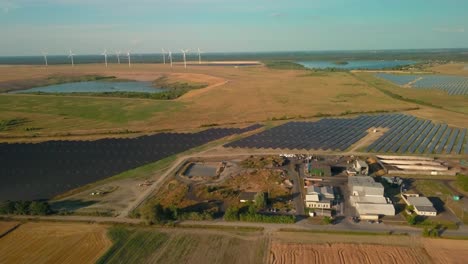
(54, 243)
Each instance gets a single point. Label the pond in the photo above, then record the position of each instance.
(96, 87)
(354, 65)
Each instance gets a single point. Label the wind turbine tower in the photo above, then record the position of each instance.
(105, 56)
(71, 57)
(45, 58)
(129, 61)
(184, 56)
(199, 56)
(170, 57)
(164, 56)
(117, 53)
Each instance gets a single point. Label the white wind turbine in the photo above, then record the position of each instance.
(199, 55)
(129, 62)
(117, 53)
(105, 56)
(70, 55)
(184, 56)
(164, 55)
(170, 57)
(44, 54)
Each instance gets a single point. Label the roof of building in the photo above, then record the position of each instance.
(375, 209)
(366, 181)
(368, 199)
(419, 201)
(247, 196)
(312, 197)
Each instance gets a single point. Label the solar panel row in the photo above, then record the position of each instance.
(406, 134)
(69, 164)
(453, 85)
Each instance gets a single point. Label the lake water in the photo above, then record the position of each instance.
(358, 64)
(95, 87)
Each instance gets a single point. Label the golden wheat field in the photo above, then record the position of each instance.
(54, 243)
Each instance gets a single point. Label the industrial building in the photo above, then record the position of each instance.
(319, 197)
(422, 205)
(367, 196)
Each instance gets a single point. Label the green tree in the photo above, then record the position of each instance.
(260, 201)
(22, 207)
(412, 219)
(153, 213)
(426, 232)
(231, 214)
(7, 207)
(39, 208)
(252, 209)
(327, 220)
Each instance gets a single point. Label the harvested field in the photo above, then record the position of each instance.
(7, 226)
(447, 251)
(54, 243)
(345, 253)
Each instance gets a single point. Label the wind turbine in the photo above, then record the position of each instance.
(45, 58)
(105, 56)
(170, 57)
(199, 56)
(71, 57)
(117, 53)
(164, 55)
(185, 59)
(128, 56)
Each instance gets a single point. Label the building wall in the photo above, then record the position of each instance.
(326, 205)
(424, 213)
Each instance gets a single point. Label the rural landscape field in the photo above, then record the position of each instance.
(209, 131)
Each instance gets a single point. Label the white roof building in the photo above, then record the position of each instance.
(365, 186)
(367, 196)
(422, 205)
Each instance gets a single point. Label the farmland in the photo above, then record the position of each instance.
(345, 253)
(54, 243)
(6, 227)
(246, 94)
(183, 246)
(304, 247)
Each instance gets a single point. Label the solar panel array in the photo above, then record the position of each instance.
(406, 134)
(43, 170)
(453, 85)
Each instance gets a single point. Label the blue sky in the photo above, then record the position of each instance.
(87, 27)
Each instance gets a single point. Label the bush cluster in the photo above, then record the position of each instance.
(25, 208)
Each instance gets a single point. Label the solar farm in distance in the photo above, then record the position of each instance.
(453, 85)
(43, 170)
(406, 134)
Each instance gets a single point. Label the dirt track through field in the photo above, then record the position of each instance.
(282, 253)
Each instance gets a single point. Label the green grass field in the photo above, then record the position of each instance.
(149, 245)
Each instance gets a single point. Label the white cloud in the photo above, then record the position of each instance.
(449, 29)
